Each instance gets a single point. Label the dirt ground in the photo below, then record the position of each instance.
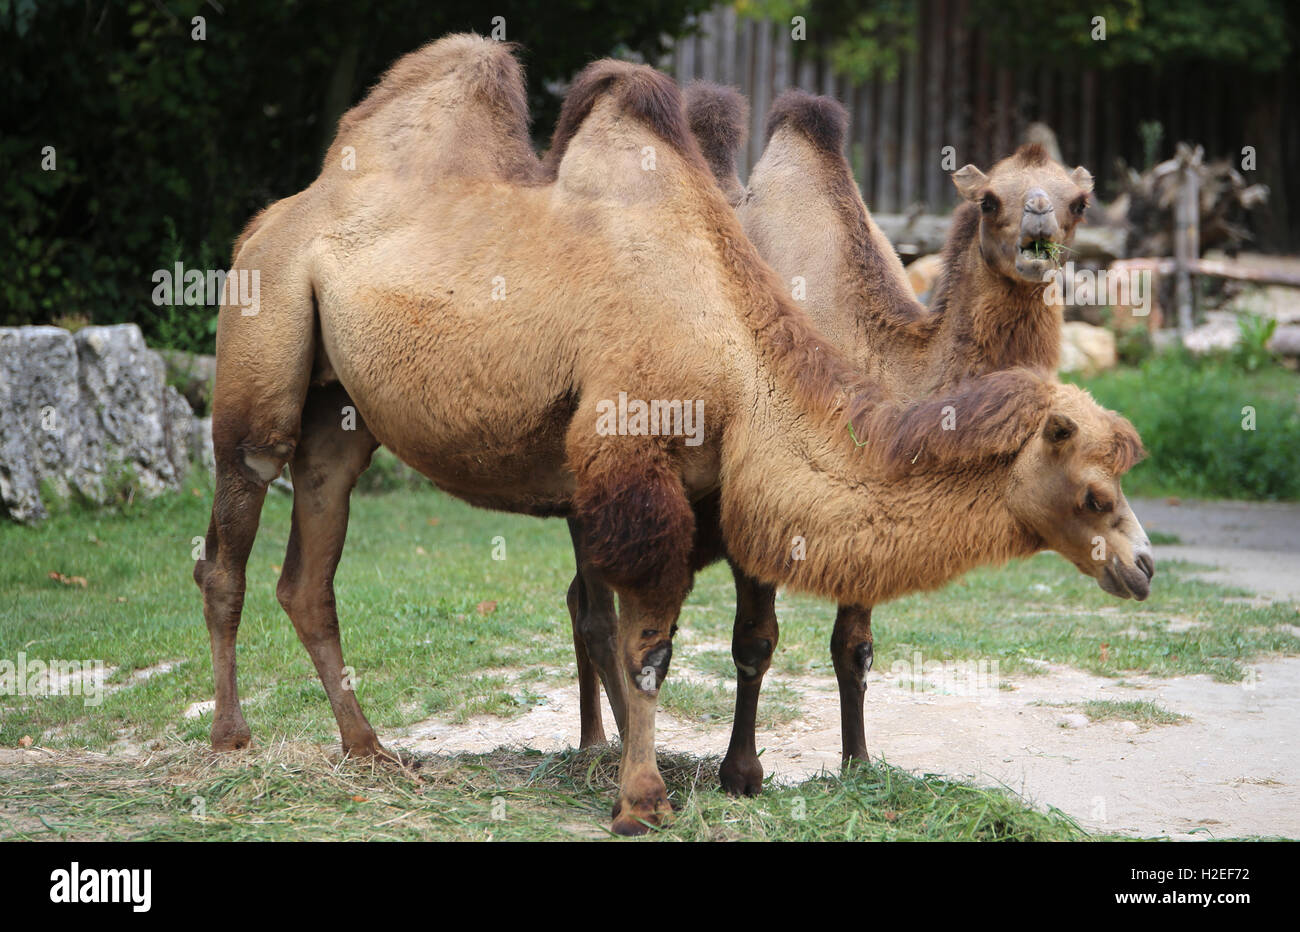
(1231, 768)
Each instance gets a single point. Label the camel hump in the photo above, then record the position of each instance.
(442, 106)
(641, 93)
(823, 121)
(719, 120)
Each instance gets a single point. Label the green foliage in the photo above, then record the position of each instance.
(1194, 420)
(866, 38)
(869, 38)
(1251, 352)
(1257, 34)
(164, 145)
(1152, 133)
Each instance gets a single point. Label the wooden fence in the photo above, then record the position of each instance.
(951, 92)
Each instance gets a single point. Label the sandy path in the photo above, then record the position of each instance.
(1232, 769)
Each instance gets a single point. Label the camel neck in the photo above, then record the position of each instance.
(816, 514)
(991, 322)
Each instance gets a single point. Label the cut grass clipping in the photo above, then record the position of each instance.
(293, 791)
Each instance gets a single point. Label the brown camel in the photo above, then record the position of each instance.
(448, 298)
(804, 213)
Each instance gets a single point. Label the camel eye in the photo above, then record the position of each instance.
(1093, 503)
(1079, 206)
(989, 204)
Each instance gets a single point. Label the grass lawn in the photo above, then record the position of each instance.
(416, 573)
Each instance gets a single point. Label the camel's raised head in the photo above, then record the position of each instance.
(1067, 490)
(1029, 207)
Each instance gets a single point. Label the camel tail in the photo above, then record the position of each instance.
(719, 120)
(644, 94)
(823, 121)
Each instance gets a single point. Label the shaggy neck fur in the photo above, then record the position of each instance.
(837, 527)
(990, 321)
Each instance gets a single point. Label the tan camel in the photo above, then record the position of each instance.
(804, 213)
(480, 319)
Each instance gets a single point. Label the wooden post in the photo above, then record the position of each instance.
(1187, 239)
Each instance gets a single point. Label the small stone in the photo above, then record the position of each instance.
(1073, 720)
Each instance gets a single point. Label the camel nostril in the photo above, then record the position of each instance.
(1146, 564)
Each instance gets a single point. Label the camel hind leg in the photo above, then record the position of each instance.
(263, 366)
(333, 450)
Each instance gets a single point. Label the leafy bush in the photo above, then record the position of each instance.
(1224, 426)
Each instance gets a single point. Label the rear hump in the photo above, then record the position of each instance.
(642, 93)
(719, 120)
(823, 121)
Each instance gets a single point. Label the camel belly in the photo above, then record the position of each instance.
(471, 410)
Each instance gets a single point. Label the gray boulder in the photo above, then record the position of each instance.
(88, 413)
(40, 417)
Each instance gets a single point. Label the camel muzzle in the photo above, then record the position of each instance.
(1128, 582)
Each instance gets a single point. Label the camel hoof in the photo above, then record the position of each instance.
(855, 761)
(741, 777)
(230, 736)
(371, 749)
(592, 741)
(633, 819)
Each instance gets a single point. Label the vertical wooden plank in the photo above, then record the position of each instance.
(1087, 155)
(1187, 245)
(985, 102)
(684, 59)
(939, 21)
(708, 46)
(727, 31)
(1003, 114)
(864, 133)
(807, 77)
(909, 168)
(782, 59)
(887, 147)
(745, 80)
(761, 98)
(1067, 133)
(957, 128)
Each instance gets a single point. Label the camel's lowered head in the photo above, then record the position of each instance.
(1066, 489)
(1029, 207)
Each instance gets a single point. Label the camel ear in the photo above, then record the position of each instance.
(969, 181)
(1058, 429)
(1083, 178)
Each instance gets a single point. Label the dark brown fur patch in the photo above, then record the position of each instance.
(1031, 154)
(991, 417)
(644, 94)
(637, 526)
(822, 120)
(718, 117)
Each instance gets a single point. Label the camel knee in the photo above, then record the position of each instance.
(649, 666)
(752, 656)
(223, 597)
(267, 461)
(853, 660)
(309, 607)
(573, 598)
